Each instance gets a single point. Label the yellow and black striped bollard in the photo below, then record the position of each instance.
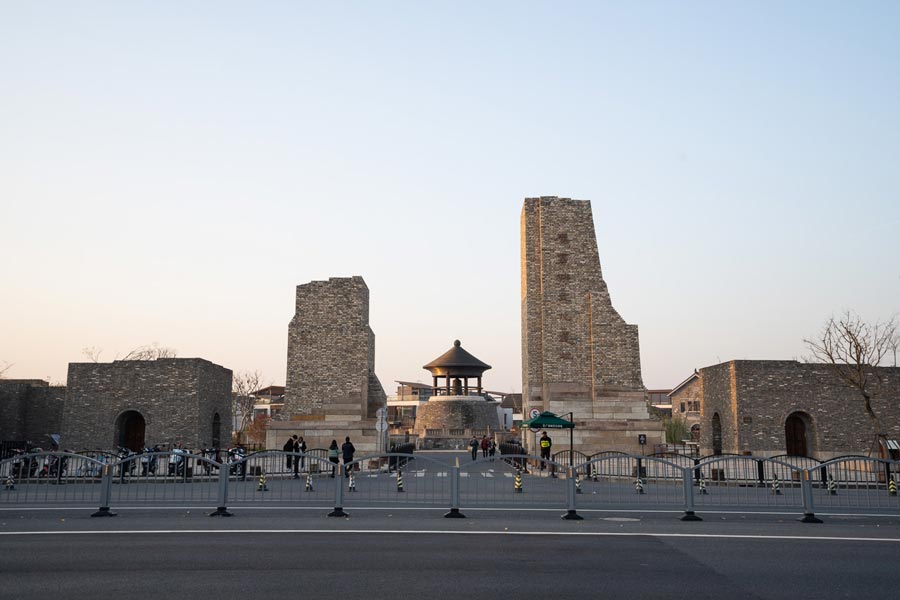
(517, 483)
(832, 486)
(399, 481)
(578, 483)
(262, 487)
(309, 485)
(10, 483)
(892, 488)
(703, 490)
(639, 485)
(351, 485)
(776, 485)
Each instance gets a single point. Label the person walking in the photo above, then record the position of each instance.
(546, 443)
(347, 450)
(473, 444)
(333, 454)
(492, 450)
(485, 446)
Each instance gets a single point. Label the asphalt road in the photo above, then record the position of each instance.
(405, 553)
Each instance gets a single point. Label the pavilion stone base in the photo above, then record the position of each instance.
(319, 430)
(445, 413)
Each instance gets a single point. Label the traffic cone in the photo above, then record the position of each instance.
(703, 490)
(776, 485)
(517, 484)
(309, 485)
(832, 486)
(399, 481)
(578, 484)
(351, 484)
(892, 488)
(10, 483)
(639, 485)
(262, 487)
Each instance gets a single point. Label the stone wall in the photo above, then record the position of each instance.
(30, 410)
(331, 352)
(331, 390)
(754, 398)
(457, 412)
(177, 398)
(578, 354)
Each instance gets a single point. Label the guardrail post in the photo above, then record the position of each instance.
(221, 510)
(105, 493)
(688, 485)
(806, 491)
(339, 493)
(571, 515)
(454, 494)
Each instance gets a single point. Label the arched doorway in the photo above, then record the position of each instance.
(717, 434)
(216, 431)
(130, 430)
(795, 428)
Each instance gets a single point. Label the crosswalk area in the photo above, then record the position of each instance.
(489, 474)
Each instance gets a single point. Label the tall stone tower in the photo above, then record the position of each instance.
(578, 354)
(331, 390)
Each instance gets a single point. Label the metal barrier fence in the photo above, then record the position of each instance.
(607, 481)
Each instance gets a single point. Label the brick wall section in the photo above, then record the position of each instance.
(331, 352)
(754, 398)
(177, 398)
(29, 410)
(43, 413)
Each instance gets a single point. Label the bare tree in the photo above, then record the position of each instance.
(852, 348)
(92, 353)
(243, 388)
(4, 367)
(150, 352)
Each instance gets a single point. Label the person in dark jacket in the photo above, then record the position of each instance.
(290, 446)
(473, 445)
(333, 454)
(347, 450)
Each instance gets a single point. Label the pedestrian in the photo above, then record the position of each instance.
(485, 446)
(347, 450)
(492, 450)
(297, 459)
(289, 446)
(333, 454)
(301, 448)
(546, 443)
(473, 444)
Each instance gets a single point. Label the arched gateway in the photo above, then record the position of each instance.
(130, 427)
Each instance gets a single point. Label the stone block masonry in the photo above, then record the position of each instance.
(185, 400)
(578, 354)
(331, 389)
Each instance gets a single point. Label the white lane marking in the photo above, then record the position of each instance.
(715, 536)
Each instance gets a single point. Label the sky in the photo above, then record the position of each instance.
(171, 171)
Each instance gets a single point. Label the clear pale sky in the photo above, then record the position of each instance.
(170, 171)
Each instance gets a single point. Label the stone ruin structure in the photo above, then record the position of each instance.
(128, 403)
(455, 406)
(776, 407)
(578, 354)
(331, 391)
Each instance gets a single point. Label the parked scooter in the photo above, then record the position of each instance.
(149, 460)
